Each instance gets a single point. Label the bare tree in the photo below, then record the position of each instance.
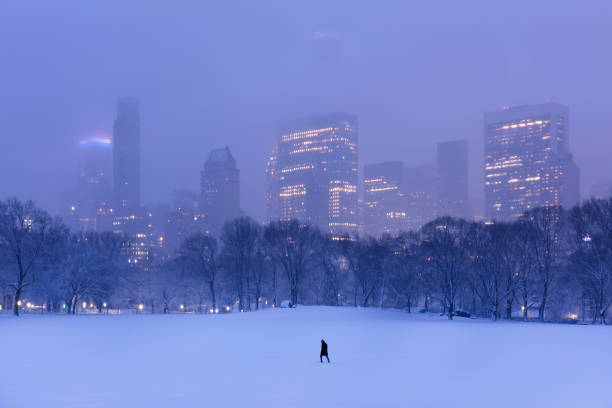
(24, 231)
(200, 253)
(328, 260)
(84, 273)
(590, 239)
(292, 246)
(364, 258)
(407, 277)
(494, 265)
(239, 239)
(544, 234)
(445, 246)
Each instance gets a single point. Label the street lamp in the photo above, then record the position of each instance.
(140, 306)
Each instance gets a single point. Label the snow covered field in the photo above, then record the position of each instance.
(270, 359)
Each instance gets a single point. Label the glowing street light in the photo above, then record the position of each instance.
(211, 311)
(182, 307)
(84, 305)
(140, 306)
(104, 304)
(19, 303)
(216, 310)
(227, 308)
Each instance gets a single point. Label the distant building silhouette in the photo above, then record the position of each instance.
(185, 218)
(527, 160)
(452, 179)
(220, 189)
(94, 185)
(126, 156)
(418, 189)
(384, 203)
(313, 177)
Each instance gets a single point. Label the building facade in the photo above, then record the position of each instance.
(452, 179)
(126, 156)
(94, 184)
(384, 205)
(419, 191)
(527, 160)
(313, 177)
(220, 189)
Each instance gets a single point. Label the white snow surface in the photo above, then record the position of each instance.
(270, 358)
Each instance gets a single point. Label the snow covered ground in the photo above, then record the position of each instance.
(270, 359)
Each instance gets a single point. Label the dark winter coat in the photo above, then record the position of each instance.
(323, 348)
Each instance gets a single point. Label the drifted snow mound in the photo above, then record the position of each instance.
(270, 358)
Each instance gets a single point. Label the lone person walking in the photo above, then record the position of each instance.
(323, 351)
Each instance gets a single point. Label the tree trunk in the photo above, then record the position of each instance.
(509, 307)
(212, 294)
(542, 307)
(17, 298)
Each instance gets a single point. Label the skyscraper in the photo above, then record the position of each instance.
(94, 183)
(126, 156)
(384, 203)
(220, 189)
(315, 174)
(418, 189)
(527, 160)
(452, 179)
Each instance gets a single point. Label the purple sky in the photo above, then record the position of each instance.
(210, 74)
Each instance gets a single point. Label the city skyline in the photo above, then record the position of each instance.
(447, 196)
(424, 76)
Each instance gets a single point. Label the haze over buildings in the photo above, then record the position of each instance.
(220, 189)
(126, 155)
(385, 209)
(452, 179)
(94, 185)
(314, 175)
(527, 160)
(416, 73)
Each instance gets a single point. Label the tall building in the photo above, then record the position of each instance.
(126, 156)
(384, 203)
(272, 187)
(94, 184)
(452, 179)
(418, 189)
(527, 160)
(314, 175)
(220, 189)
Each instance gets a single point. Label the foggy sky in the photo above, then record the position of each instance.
(211, 74)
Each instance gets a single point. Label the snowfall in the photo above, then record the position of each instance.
(270, 358)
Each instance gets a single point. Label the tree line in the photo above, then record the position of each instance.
(550, 264)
